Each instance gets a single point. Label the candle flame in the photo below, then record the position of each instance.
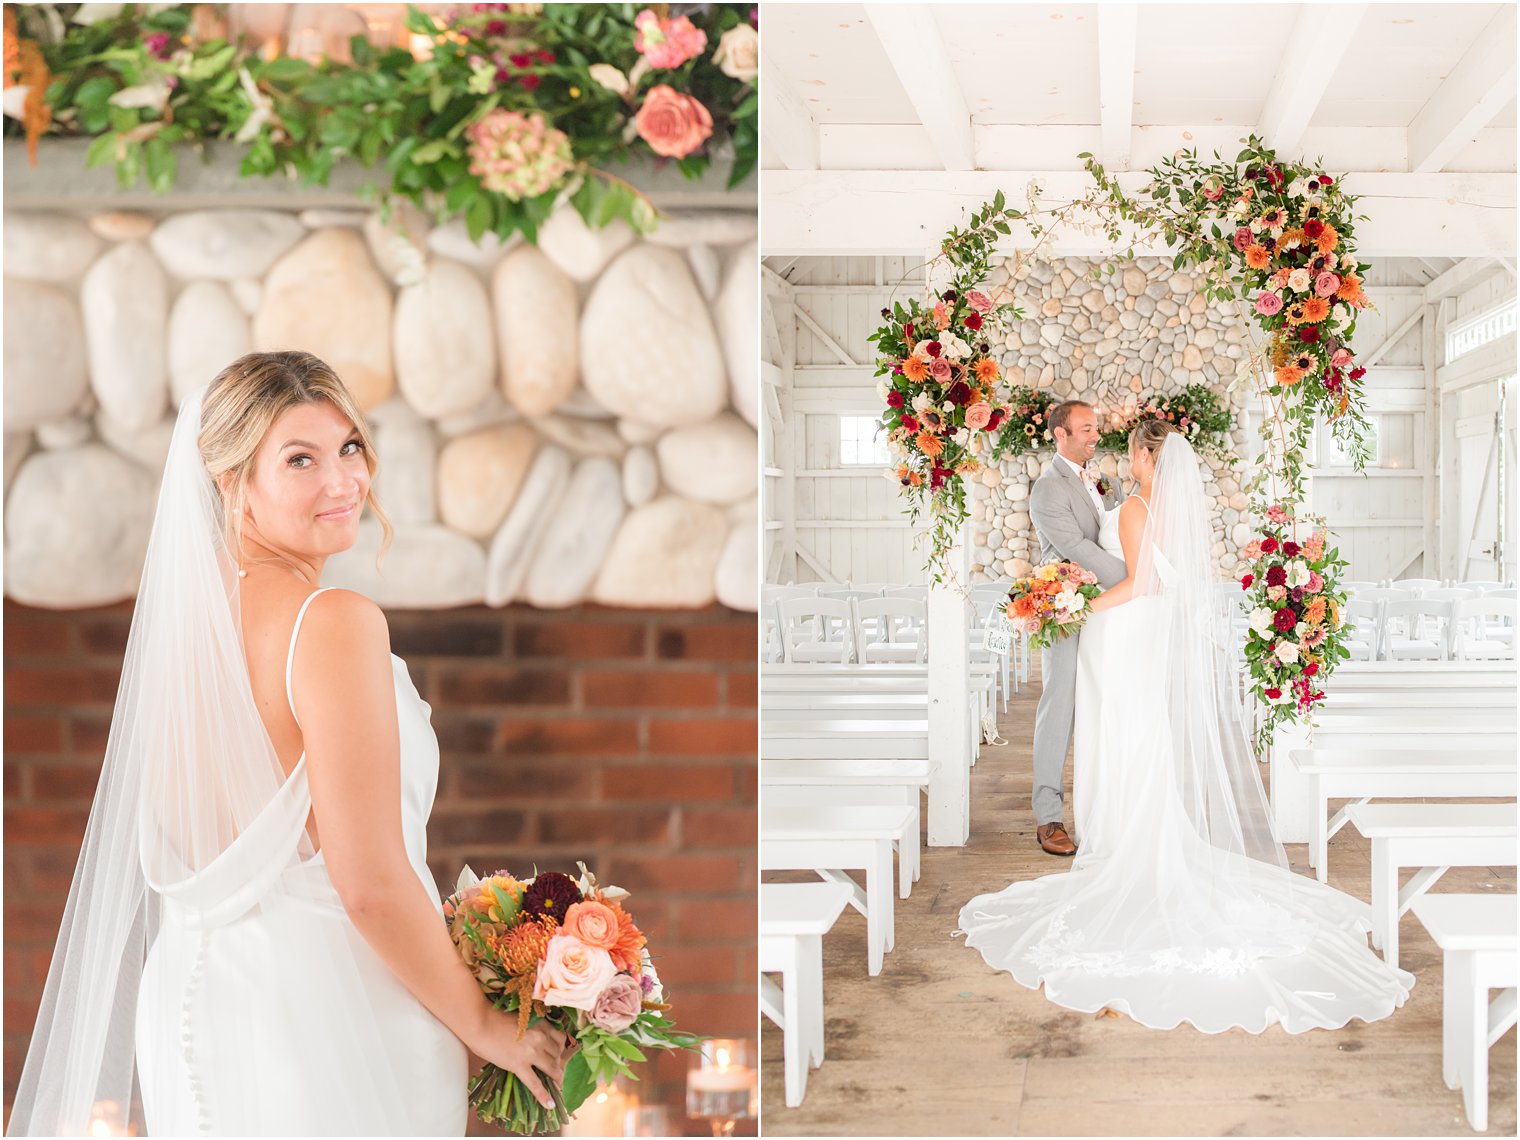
(722, 1058)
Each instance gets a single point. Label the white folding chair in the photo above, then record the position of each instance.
(816, 629)
(890, 629)
(848, 592)
(1384, 594)
(1364, 629)
(1417, 586)
(1483, 629)
(1486, 587)
(1417, 629)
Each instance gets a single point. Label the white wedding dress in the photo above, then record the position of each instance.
(240, 1025)
(1151, 919)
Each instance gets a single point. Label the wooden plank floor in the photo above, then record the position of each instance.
(941, 1045)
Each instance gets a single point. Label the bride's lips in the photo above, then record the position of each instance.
(338, 514)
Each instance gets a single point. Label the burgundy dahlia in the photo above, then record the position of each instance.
(960, 393)
(552, 894)
(1285, 620)
(1276, 575)
(932, 348)
(1290, 549)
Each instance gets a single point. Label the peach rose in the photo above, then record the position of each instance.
(593, 923)
(573, 974)
(978, 415)
(672, 124)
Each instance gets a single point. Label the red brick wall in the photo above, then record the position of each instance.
(623, 738)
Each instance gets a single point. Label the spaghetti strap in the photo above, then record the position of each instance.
(1143, 503)
(290, 654)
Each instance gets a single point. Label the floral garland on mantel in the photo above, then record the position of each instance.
(505, 110)
(942, 382)
(1195, 411)
(1276, 239)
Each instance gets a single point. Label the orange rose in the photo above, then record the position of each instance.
(593, 923)
(672, 124)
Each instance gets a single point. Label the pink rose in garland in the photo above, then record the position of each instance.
(667, 43)
(517, 155)
(674, 125)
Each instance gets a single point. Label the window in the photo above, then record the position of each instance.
(862, 443)
(1336, 455)
(1478, 331)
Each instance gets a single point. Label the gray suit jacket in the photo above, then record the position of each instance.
(1067, 522)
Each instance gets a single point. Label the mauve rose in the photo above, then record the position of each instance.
(618, 1005)
(573, 974)
(979, 301)
(939, 368)
(1268, 304)
(1341, 358)
(1244, 237)
(1326, 284)
(672, 124)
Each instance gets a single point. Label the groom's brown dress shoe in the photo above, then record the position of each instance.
(1054, 840)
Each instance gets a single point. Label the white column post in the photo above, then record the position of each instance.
(949, 697)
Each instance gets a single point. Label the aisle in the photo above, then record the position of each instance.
(940, 1045)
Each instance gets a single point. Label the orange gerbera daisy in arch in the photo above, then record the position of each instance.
(916, 369)
(1288, 376)
(1316, 309)
(930, 444)
(1257, 256)
(1328, 239)
(986, 370)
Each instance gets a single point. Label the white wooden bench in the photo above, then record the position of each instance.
(1395, 699)
(866, 783)
(1476, 934)
(844, 738)
(1362, 774)
(794, 917)
(832, 841)
(1430, 838)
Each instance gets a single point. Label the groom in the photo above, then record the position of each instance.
(1066, 504)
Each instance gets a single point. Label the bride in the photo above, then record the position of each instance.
(252, 932)
(1179, 905)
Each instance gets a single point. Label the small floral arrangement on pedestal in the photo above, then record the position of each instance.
(941, 382)
(562, 950)
(1052, 603)
(1297, 631)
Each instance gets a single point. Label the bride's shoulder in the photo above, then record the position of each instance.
(340, 619)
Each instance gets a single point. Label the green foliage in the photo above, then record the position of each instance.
(403, 118)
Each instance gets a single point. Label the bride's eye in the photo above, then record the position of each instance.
(352, 447)
(299, 461)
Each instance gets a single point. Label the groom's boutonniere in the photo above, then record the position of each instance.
(1102, 486)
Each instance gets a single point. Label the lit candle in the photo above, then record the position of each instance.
(602, 1114)
(723, 1075)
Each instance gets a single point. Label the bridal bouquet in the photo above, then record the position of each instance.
(1052, 602)
(557, 949)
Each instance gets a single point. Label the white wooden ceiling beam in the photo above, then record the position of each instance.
(1116, 81)
(1319, 39)
(785, 121)
(865, 213)
(918, 55)
(1466, 101)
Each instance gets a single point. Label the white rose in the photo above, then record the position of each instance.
(609, 77)
(954, 347)
(1287, 652)
(962, 437)
(738, 53)
(1240, 209)
(921, 402)
(1261, 620)
(1298, 574)
(1299, 280)
(881, 390)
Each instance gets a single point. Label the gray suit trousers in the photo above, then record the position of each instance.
(1054, 723)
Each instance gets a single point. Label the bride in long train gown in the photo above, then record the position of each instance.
(1179, 905)
(253, 938)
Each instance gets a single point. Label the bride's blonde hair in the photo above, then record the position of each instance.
(240, 407)
(1151, 434)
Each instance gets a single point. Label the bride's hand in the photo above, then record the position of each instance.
(542, 1047)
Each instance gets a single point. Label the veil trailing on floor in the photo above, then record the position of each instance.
(1215, 769)
(195, 827)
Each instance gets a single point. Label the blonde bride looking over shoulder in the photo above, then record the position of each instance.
(1144, 442)
(253, 916)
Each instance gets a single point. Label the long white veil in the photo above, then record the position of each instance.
(1216, 772)
(194, 827)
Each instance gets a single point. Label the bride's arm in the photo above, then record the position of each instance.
(1131, 529)
(346, 701)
